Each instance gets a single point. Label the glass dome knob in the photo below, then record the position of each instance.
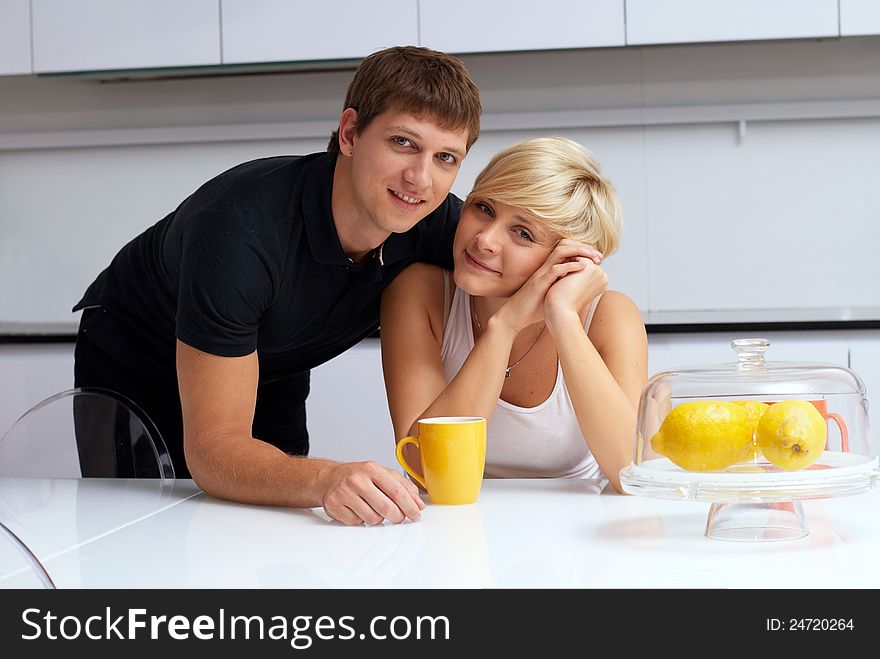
(750, 352)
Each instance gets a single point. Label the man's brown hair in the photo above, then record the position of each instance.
(417, 80)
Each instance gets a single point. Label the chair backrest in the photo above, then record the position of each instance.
(23, 569)
(82, 433)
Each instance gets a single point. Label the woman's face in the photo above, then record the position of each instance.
(498, 247)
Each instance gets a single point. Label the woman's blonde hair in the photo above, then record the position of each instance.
(558, 182)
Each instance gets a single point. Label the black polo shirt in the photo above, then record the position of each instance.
(251, 261)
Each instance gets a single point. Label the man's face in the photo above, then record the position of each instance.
(402, 168)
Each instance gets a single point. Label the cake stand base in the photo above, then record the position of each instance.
(756, 522)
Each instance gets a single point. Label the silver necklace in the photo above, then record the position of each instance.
(534, 343)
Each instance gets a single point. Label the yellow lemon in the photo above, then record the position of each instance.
(792, 434)
(704, 435)
(755, 409)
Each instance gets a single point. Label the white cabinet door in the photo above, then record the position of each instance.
(347, 411)
(15, 37)
(295, 30)
(747, 227)
(859, 17)
(31, 373)
(682, 21)
(463, 26)
(95, 35)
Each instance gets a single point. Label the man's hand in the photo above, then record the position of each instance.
(357, 493)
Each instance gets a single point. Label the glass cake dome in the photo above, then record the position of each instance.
(753, 437)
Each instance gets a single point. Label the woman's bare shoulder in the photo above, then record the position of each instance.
(419, 288)
(613, 302)
(615, 313)
(420, 276)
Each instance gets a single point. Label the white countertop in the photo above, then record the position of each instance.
(521, 533)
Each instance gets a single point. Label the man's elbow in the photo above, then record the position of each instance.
(202, 464)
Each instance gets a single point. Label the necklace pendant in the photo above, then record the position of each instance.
(507, 373)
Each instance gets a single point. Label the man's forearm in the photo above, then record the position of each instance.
(241, 468)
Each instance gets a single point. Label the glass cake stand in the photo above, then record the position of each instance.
(756, 500)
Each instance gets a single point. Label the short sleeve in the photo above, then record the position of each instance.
(229, 274)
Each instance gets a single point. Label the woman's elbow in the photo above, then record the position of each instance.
(618, 488)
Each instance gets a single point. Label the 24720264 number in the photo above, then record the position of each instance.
(820, 624)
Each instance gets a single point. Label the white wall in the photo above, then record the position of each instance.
(714, 219)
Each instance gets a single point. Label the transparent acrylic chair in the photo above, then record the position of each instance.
(54, 464)
(19, 566)
(84, 433)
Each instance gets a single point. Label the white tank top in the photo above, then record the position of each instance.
(522, 442)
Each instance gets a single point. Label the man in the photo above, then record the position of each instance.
(211, 319)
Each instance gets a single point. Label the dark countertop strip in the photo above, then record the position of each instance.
(69, 336)
(780, 326)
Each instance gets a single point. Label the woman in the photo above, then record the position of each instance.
(527, 335)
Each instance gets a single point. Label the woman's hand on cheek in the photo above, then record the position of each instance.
(526, 306)
(576, 290)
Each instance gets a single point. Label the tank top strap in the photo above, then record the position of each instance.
(592, 310)
(447, 300)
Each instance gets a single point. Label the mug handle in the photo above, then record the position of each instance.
(844, 436)
(403, 442)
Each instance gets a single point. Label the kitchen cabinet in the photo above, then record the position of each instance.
(96, 35)
(859, 17)
(31, 373)
(347, 410)
(103, 35)
(746, 226)
(297, 30)
(688, 21)
(15, 37)
(462, 26)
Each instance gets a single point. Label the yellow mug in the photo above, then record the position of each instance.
(453, 455)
